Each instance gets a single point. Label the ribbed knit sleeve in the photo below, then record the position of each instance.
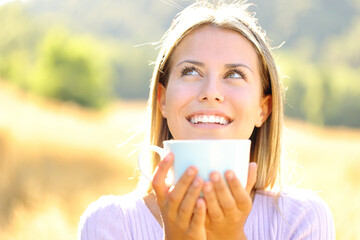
(102, 220)
(308, 216)
(119, 217)
(295, 215)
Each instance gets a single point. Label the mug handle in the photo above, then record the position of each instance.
(162, 152)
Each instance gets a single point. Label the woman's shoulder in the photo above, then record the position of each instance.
(294, 201)
(292, 196)
(111, 204)
(304, 210)
(108, 215)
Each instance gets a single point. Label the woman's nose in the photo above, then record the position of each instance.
(210, 91)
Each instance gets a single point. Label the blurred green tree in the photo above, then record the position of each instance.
(305, 94)
(342, 95)
(19, 36)
(132, 70)
(72, 68)
(320, 92)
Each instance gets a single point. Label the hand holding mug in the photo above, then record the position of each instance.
(228, 204)
(183, 212)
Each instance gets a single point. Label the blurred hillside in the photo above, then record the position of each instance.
(84, 51)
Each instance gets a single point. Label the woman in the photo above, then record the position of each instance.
(214, 78)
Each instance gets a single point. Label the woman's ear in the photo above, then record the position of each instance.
(161, 99)
(265, 110)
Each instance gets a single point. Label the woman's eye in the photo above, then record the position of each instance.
(190, 72)
(235, 75)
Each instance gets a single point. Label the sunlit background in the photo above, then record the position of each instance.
(74, 78)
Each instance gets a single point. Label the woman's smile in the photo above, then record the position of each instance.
(209, 119)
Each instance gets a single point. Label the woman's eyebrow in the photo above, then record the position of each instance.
(192, 62)
(235, 65)
(230, 65)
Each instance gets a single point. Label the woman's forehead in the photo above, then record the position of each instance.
(212, 43)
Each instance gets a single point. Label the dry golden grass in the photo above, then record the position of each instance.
(328, 160)
(56, 158)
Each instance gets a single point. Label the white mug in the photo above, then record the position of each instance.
(207, 155)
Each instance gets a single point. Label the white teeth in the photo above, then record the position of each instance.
(212, 119)
(217, 119)
(208, 119)
(221, 120)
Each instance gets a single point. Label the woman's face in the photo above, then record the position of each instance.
(214, 88)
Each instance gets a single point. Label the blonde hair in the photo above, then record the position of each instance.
(266, 140)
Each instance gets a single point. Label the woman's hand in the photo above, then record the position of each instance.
(228, 206)
(183, 212)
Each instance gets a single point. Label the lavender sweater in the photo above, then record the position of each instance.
(302, 215)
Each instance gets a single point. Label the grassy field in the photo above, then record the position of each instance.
(56, 158)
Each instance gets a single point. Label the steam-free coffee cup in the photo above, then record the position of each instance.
(207, 155)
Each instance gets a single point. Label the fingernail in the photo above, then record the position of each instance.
(215, 177)
(190, 171)
(208, 187)
(168, 156)
(166, 160)
(196, 182)
(230, 175)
